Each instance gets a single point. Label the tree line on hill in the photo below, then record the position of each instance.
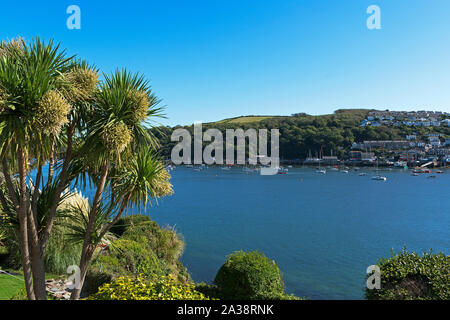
(302, 134)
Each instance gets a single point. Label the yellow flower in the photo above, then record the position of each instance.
(116, 137)
(51, 112)
(82, 84)
(139, 105)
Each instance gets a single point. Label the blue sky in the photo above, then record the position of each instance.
(213, 59)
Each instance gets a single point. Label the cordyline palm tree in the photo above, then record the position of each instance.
(51, 106)
(40, 91)
(117, 151)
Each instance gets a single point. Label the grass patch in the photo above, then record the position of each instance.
(247, 119)
(10, 286)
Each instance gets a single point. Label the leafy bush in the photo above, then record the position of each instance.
(409, 276)
(126, 222)
(95, 278)
(164, 242)
(142, 248)
(142, 288)
(61, 253)
(208, 290)
(128, 257)
(250, 276)
(124, 258)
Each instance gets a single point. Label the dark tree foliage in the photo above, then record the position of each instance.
(302, 134)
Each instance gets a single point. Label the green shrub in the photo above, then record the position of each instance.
(249, 276)
(124, 223)
(94, 279)
(142, 248)
(124, 258)
(208, 290)
(181, 272)
(143, 288)
(127, 257)
(60, 252)
(165, 243)
(409, 276)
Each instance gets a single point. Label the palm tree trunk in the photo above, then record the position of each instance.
(37, 256)
(88, 245)
(26, 227)
(59, 188)
(51, 162)
(37, 259)
(23, 232)
(25, 255)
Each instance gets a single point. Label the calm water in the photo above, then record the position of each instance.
(322, 230)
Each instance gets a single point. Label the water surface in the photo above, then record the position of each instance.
(322, 230)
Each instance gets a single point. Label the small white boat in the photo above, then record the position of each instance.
(401, 164)
(378, 177)
(322, 171)
(226, 168)
(344, 171)
(362, 174)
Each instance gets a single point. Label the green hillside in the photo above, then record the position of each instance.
(244, 119)
(302, 133)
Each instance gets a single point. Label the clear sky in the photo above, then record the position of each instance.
(213, 59)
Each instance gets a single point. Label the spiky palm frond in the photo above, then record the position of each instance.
(144, 179)
(122, 104)
(26, 77)
(78, 219)
(45, 201)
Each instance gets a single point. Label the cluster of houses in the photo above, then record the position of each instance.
(435, 147)
(434, 140)
(407, 118)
